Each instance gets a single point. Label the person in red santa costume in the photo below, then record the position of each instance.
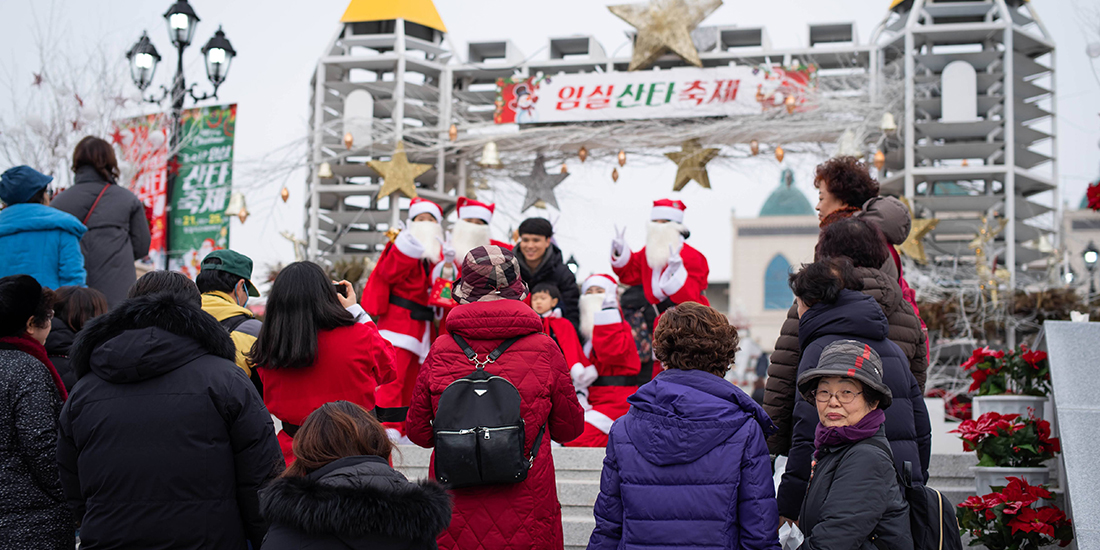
(613, 376)
(396, 296)
(670, 271)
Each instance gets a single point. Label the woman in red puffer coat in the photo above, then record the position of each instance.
(527, 514)
(316, 346)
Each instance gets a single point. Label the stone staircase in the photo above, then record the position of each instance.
(578, 477)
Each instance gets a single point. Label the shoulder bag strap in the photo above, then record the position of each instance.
(538, 443)
(96, 203)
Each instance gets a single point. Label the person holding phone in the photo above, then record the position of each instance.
(316, 346)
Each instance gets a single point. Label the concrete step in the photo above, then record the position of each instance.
(577, 530)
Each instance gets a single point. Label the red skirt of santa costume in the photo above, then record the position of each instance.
(615, 356)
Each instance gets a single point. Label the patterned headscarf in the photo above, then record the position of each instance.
(489, 273)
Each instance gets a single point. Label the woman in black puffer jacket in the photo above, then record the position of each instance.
(341, 493)
(76, 305)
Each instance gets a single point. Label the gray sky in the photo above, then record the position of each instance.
(279, 42)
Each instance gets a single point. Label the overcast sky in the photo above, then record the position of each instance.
(279, 41)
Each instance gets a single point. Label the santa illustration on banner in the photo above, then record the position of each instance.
(396, 296)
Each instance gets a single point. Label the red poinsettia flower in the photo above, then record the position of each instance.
(974, 503)
(978, 357)
(1033, 357)
(1042, 520)
(1093, 195)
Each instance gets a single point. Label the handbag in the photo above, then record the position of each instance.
(442, 288)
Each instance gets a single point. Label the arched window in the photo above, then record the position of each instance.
(777, 294)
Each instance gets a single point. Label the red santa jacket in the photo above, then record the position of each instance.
(351, 362)
(687, 286)
(401, 276)
(522, 515)
(562, 331)
(615, 356)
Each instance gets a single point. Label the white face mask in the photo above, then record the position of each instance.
(429, 235)
(466, 236)
(590, 305)
(660, 236)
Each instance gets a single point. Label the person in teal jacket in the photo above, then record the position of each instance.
(35, 239)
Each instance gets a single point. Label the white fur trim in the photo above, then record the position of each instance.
(666, 213)
(600, 281)
(476, 212)
(622, 260)
(671, 283)
(426, 207)
(582, 398)
(408, 245)
(361, 316)
(598, 419)
(608, 317)
(655, 285)
(409, 343)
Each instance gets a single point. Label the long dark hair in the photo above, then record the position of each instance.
(302, 303)
(77, 305)
(97, 153)
(337, 430)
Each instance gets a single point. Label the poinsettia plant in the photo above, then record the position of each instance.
(1008, 440)
(1093, 195)
(1010, 518)
(1021, 371)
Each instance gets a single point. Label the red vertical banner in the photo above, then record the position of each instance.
(143, 143)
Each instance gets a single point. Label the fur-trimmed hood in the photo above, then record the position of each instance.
(355, 497)
(148, 336)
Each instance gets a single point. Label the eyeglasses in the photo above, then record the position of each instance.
(843, 396)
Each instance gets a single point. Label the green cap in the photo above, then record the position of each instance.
(231, 262)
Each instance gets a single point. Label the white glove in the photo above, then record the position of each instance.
(610, 300)
(618, 244)
(582, 398)
(583, 376)
(400, 225)
(448, 249)
(406, 241)
(675, 262)
(668, 277)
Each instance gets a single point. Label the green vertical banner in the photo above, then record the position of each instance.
(204, 181)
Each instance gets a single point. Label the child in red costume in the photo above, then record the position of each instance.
(614, 354)
(544, 300)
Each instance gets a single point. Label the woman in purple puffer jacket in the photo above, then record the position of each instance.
(688, 466)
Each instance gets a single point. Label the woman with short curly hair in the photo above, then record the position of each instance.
(688, 466)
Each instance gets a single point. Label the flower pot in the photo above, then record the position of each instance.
(1012, 404)
(986, 477)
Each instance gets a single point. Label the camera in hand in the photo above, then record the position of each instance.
(340, 289)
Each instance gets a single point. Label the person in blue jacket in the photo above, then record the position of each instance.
(37, 240)
(688, 465)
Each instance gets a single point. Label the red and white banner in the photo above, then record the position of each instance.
(674, 93)
(143, 142)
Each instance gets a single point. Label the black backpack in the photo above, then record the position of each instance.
(479, 428)
(931, 515)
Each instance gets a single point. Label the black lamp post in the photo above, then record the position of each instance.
(218, 53)
(572, 264)
(1090, 256)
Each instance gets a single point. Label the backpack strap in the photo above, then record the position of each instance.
(231, 323)
(906, 480)
(538, 443)
(493, 355)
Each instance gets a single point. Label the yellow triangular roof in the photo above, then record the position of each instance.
(417, 11)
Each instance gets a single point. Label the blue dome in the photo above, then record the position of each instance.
(786, 200)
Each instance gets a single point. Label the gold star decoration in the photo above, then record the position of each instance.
(664, 25)
(398, 174)
(691, 164)
(914, 243)
(989, 278)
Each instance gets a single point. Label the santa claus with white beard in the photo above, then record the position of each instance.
(613, 375)
(670, 271)
(396, 296)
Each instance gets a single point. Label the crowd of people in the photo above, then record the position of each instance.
(160, 412)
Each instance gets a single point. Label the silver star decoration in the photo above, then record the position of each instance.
(540, 185)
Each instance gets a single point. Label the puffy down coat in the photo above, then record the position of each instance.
(687, 467)
(855, 316)
(904, 330)
(524, 515)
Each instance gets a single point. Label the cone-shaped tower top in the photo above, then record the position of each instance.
(417, 11)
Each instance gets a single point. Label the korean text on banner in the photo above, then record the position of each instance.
(675, 93)
(202, 188)
(143, 142)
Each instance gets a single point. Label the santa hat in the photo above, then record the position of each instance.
(469, 208)
(667, 209)
(424, 206)
(606, 282)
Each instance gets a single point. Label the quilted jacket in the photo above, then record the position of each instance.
(521, 516)
(904, 330)
(687, 467)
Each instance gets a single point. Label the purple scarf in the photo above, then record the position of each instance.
(840, 435)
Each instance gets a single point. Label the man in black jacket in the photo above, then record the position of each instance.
(163, 441)
(541, 262)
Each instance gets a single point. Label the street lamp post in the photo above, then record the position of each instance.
(218, 53)
(1090, 256)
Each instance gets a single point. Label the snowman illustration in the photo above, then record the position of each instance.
(524, 104)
